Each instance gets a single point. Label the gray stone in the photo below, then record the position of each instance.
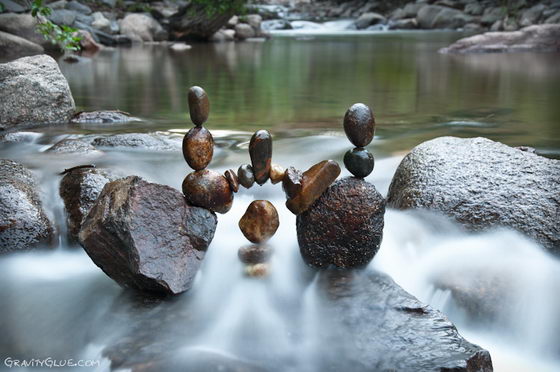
(22, 25)
(532, 15)
(435, 16)
(482, 184)
(23, 222)
(369, 19)
(491, 15)
(254, 20)
(72, 146)
(83, 18)
(555, 18)
(34, 91)
(142, 27)
(536, 38)
(12, 6)
(78, 7)
(244, 31)
(102, 117)
(223, 35)
(403, 24)
(139, 141)
(63, 17)
(474, 8)
(276, 24)
(12, 46)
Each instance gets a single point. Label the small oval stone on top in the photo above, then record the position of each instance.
(199, 105)
(359, 124)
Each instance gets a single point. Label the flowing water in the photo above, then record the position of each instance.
(58, 303)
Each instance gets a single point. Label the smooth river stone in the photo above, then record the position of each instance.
(199, 105)
(292, 182)
(208, 189)
(276, 173)
(254, 253)
(231, 176)
(246, 176)
(315, 181)
(259, 270)
(359, 161)
(198, 148)
(359, 124)
(260, 221)
(260, 150)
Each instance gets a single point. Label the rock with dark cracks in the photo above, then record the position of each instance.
(482, 184)
(145, 236)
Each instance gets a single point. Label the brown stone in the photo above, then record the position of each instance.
(315, 181)
(199, 106)
(208, 189)
(246, 176)
(276, 173)
(359, 124)
(231, 177)
(198, 148)
(258, 270)
(254, 253)
(260, 150)
(260, 221)
(291, 184)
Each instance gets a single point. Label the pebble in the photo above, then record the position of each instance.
(208, 189)
(257, 271)
(291, 184)
(260, 221)
(198, 148)
(232, 179)
(246, 176)
(260, 151)
(199, 106)
(315, 181)
(359, 161)
(359, 124)
(276, 173)
(254, 253)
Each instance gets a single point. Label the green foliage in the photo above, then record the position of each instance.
(213, 7)
(1, 8)
(64, 36)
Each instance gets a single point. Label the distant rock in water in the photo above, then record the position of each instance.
(102, 117)
(536, 38)
(72, 146)
(34, 91)
(482, 184)
(145, 236)
(23, 221)
(139, 141)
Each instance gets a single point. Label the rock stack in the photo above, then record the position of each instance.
(344, 225)
(203, 187)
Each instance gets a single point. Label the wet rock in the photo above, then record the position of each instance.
(231, 177)
(344, 227)
(435, 16)
(72, 146)
(537, 38)
(12, 46)
(244, 31)
(23, 221)
(254, 253)
(292, 182)
(404, 24)
(314, 182)
(20, 137)
(359, 124)
(199, 105)
(145, 236)
(208, 189)
(276, 24)
(359, 161)
(260, 151)
(260, 221)
(79, 189)
(369, 19)
(102, 117)
(223, 36)
(198, 148)
(180, 47)
(482, 184)
(193, 21)
(138, 141)
(277, 173)
(141, 28)
(34, 91)
(246, 176)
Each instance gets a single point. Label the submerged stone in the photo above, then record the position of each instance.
(359, 161)
(198, 148)
(208, 189)
(254, 253)
(246, 176)
(359, 125)
(258, 270)
(199, 105)
(260, 150)
(260, 221)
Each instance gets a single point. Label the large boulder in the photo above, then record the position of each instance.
(24, 26)
(140, 141)
(79, 189)
(145, 236)
(194, 21)
(537, 38)
(344, 227)
(23, 222)
(368, 19)
(12, 47)
(34, 91)
(142, 27)
(482, 184)
(435, 16)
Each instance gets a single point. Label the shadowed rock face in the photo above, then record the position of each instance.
(482, 183)
(23, 222)
(145, 236)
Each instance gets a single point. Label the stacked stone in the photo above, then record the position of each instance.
(359, 126)
(203, 187)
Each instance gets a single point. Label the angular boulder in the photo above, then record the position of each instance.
(23, 221)
(537, 38)
(193, 21)
(34, 91)
(145, 236)
(482, 184)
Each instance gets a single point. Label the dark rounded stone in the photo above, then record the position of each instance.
(208, 189)
(199, 105)
(359, 161)
(231, 177)
(344, 227)
(260, 150)
(260, 221)
(359, 124)
(198, 148)
(254, 253)
(292, 182)
(246, 176)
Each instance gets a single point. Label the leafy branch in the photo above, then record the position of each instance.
(64, 36)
